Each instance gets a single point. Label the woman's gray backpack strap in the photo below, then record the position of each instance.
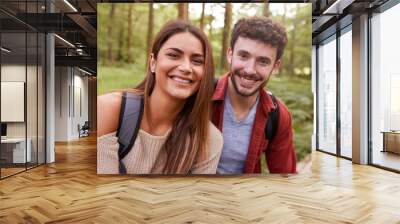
(129, 123)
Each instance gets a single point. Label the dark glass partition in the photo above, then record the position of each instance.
(14, 55)
(22, 88)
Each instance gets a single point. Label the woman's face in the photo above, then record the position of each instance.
(179, 66)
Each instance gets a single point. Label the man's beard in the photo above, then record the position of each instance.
(255, 76)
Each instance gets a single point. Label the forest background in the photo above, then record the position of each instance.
(125, 32)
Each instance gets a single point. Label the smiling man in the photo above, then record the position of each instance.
(242, 108)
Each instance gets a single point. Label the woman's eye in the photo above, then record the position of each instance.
(172, 55)
(198, 61)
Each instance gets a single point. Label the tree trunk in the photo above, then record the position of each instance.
(150, 31)
(120, 43)
(210, 30)
(266, 11)
(225, 36)
(110, 56)
(183, 11)
(293, 45)
(202, 16)
(284, 14)
(129, 36)
(283, 23)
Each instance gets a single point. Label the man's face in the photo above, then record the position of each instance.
(251, 64)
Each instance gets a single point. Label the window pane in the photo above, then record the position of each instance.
(385, 89)
(345, 94)
(327, 96)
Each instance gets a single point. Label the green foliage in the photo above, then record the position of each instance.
(299, 41)
(296, 93)
(296, 15)
(116, 78)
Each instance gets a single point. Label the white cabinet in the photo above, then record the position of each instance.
(18, 149)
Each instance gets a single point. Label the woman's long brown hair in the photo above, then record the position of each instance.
(189, 135)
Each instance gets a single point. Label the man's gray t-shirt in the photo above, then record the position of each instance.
(236, 139)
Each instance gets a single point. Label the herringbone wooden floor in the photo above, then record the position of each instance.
(69, 191)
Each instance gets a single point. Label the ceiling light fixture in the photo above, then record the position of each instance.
(5, 49)
(71, 6)
(337, 7)
(86, 72)
(65, 41)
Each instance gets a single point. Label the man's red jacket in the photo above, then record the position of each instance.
(280, 153)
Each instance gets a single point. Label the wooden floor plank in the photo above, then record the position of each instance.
(70, 191)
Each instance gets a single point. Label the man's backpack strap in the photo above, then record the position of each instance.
(272, 124)
(129, 123)
(215, 83)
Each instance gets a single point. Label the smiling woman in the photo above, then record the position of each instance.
(179, 66)
(173, 133)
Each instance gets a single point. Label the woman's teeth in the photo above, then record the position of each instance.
(181, 80)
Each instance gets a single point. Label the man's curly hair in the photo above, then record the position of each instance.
(262, 29)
